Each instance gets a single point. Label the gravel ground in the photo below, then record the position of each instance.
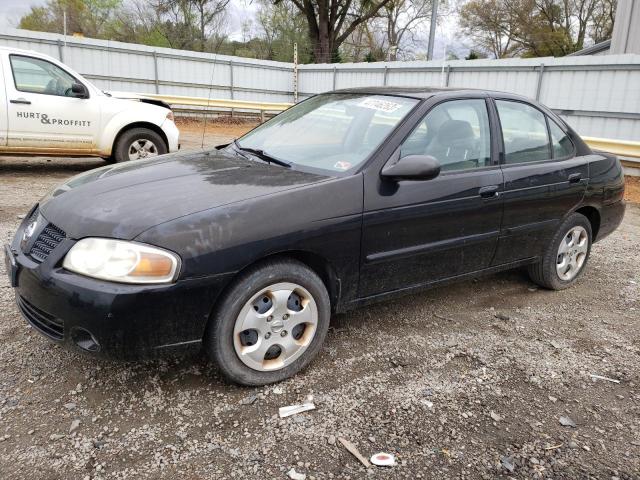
(482, 379)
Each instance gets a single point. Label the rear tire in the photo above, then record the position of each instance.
(137, 144)
(269, 324)
(566, 256)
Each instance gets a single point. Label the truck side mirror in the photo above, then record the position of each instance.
(79, 90)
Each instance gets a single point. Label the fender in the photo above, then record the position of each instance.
(137, 113)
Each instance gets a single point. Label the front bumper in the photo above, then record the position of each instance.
(173, 135)
(110, 319)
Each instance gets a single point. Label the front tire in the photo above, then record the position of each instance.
(565, 259)
(138, 144)
(270, 324)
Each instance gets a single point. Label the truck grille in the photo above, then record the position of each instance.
(43, 322)
(48, 239)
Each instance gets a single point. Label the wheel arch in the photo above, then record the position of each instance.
(150, 126)
(593, 215)
(317, 263)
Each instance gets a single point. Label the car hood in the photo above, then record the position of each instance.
(124, 200)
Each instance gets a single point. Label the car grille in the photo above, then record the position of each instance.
(48, 239)
(43, 322)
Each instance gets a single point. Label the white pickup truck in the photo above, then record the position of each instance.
(48, 109)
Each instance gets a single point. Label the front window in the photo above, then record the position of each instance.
(335, 132)
(34, 75)
(456, 133)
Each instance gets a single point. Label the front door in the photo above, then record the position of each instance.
(43, 113)
(418, 232)
(3, 109)
(544, 180)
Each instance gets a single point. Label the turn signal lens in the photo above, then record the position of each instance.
(170, 116)
(121, 261)
(152, 264)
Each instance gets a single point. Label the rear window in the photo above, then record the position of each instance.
(524, 131)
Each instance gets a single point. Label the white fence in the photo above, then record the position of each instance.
(598, 95)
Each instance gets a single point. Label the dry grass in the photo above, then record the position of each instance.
(632, 189)
(234, 127)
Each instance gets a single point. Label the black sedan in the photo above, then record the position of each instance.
(347, 198)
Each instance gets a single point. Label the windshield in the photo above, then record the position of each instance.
(335, 132)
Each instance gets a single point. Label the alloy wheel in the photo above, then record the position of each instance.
(572, 253)
(275, 327)
(142, 148)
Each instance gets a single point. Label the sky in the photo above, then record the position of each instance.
(12, 10)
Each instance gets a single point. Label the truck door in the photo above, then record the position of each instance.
(44, 114)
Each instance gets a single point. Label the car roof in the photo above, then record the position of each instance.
(427, 92)
(23, 51)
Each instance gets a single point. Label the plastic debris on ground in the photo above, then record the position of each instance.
(600, 377)
(293, 409)
(293, 475)
(567, 422)
(383, 459)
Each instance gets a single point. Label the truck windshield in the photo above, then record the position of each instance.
(334, 132)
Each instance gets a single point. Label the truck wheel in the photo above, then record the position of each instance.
(137, 144)
(270, 324)
(566, 256)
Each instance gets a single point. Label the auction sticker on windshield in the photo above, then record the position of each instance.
(380, 105)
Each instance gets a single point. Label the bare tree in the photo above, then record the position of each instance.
(207, 12)
(536, 27)
(491, 26)
(401, 18)
(187, 23)
(330, 22)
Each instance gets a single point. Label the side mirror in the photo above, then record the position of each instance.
(79, 90)
(412, 167)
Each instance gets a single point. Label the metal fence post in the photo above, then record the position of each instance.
(335, 73)
(446, 78)
(539, 85)
(384, 79)
(231, 78)
(155, 71)
(60, 51)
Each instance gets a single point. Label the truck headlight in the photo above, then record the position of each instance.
(122, 261)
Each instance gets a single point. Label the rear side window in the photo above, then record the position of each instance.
(34, 75)
(456, 133)
(562, 146)
(524, 130)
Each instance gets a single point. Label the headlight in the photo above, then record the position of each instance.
(121, 261)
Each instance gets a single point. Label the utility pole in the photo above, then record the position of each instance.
(432, 29)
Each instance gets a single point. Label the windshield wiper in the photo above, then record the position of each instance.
(262, 155)
(107, 93)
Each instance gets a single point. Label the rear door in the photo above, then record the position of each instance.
(544, 180)
(43, 114)
(419, 232)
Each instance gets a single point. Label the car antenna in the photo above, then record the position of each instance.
(204, 127)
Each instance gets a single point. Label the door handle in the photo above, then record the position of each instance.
(21, 101)
(490, 191)
(575, 177)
